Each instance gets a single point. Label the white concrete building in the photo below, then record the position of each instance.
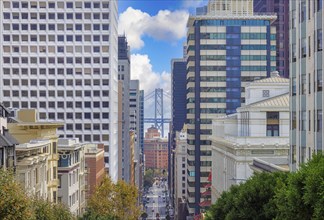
(71, 175)
(306, 80)
(134, 117)
(180, 172)
(259, 129)
(61, 58)
(124, 75)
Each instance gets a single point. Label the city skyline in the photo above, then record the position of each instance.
(165, 110)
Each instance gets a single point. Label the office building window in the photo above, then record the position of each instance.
(303, 48)
(319, 40)
(319, 80)
(303, 121)
(319, 120)
(319, 4)
(303, 84)
(302, 11)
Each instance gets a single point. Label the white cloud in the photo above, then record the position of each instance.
(165, 25)
(141, 69)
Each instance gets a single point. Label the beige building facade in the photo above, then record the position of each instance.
(26, 127)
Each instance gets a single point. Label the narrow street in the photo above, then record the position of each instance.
(157, 201)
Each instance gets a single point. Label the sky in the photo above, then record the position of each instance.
(156, 31)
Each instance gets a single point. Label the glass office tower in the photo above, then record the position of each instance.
(227, 48)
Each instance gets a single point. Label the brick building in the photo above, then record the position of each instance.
(95, 166)
(155, 150)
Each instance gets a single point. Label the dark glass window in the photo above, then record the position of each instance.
(69, 5)
(87, 4)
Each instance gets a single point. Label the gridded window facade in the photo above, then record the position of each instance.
(56, 58)
(306, 81)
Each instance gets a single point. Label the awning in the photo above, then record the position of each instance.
(206, 193)
(209, 177)
(205, 203)
(208, 185)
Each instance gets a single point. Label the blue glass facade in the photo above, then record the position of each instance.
(179, 72)
(233, 68)
(237, 53)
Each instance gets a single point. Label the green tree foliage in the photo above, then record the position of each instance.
(113, 201)
(302, 197)
(297, 195)
(251, 200)
(14, 203)
(148, 178)
(45, 210)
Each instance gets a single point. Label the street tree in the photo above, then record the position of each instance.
(302, 196)
(113, 201)
(250, 200)
(14, 203)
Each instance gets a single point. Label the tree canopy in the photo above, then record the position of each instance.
(16, 204)
(298, 195)
(114, 201)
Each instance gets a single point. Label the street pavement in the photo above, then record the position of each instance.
(156, 201)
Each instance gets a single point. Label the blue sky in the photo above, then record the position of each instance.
(156, 31)
(160, 52)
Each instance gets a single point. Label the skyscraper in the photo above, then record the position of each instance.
(178, 112)
(134, 111)
(227, 48)
(306, 80)
(124, 76)
(178, 88)
(60, 57)
(281, 8)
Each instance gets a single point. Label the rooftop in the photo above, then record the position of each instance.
(6, 139)
(277, 101)
(276, 79)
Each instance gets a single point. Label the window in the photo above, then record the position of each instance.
(319, 40)
(105, 16)
(319, 80)
(303, 48)
(105, 4)
(105, 27)
(302, 11)
(69, 16)
(265, 93)
(87, 4)
(303, 84)
(69, 5)
(309, 47)
(319, 120)
(272, 124)
(303, 121)
(105, 37)
(319, 4)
